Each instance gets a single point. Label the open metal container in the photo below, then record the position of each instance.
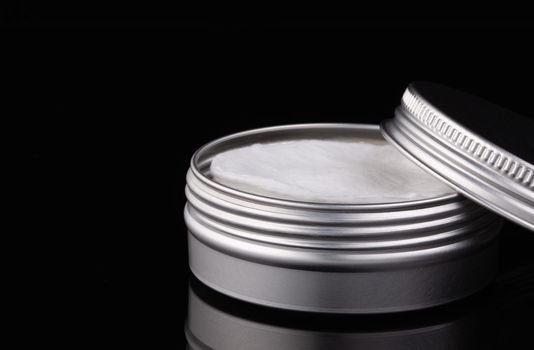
(366, 258)
(369, 258)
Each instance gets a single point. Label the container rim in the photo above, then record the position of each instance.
(199, 174)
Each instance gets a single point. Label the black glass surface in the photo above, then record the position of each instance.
(107, 113)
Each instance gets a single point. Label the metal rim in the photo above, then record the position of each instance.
(471, 165)
(196, 165)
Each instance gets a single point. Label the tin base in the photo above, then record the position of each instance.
(343, 292)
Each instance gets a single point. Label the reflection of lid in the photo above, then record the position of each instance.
(480, 149)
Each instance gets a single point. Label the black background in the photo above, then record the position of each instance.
(110, 112)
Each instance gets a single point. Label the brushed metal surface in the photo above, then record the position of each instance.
(479, 169)
(339, 258)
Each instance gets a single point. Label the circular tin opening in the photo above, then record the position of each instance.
(201, 160)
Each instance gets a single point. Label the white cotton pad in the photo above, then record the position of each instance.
(326, 171)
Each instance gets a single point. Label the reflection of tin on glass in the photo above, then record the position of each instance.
(270, 246)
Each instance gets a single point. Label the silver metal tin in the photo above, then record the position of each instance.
(493, 176)
(370, 258)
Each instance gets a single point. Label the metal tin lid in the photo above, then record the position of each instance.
(480, 149)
